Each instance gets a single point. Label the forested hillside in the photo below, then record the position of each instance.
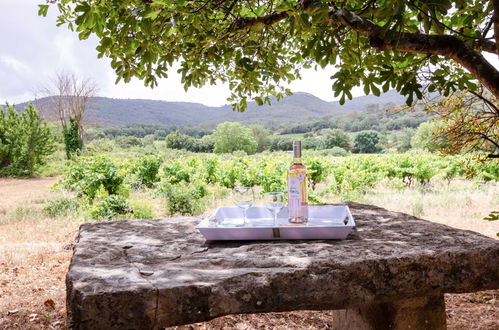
(292, 109)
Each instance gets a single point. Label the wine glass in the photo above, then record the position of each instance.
(243, 197)
(274, 202)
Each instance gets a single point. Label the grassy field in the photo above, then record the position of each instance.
(35, 253)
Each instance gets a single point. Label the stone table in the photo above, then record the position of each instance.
(391, 272)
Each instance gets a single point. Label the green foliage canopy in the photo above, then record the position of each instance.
(178, 140)
(229, 137)
(367, 142)
(87, 175)
(25, 141)
(261, 135)
(72, 140)
(256, 47)
(427, 137)
(337, 138)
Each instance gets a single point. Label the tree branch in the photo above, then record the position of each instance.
(443, 45)
(447, 46)
(495, 3)
(246, 22)
(485, 45)
(486, 101)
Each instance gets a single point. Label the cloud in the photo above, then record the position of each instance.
(34, 48)
(7, 62)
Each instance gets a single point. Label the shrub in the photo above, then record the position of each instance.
(366, 142)
(25, 141)
(61, 207)
(110, 207)
(184, 199)
(317, 172)
(205, 144)
(313, 143)
(87, 175)
(427, 137)
(261, 135)
(126, 142)
(141, 211)
(72, 140)
(229, 137)
(178, 140)
(337, 138)
(281, 143)
(146, 169)
(335, 152)
(99, 146)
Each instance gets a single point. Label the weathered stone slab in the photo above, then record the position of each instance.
(145, 274)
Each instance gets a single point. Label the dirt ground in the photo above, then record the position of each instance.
(35, 254)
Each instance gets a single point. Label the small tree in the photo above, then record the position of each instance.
(261, 135)
(229, 137)
(428, 138)
(337, 138)
(467, 122)
(72, 140)
(69, 96)
(178, 140)
(366, 142)
(25, 141)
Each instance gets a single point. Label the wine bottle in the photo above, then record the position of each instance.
(297, 188)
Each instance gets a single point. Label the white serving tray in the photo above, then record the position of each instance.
(325, 222)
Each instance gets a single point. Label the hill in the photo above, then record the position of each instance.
(299, 107)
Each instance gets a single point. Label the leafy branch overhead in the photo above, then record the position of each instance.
(257, 47)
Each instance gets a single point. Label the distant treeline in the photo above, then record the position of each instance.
(158, 131)
(378, 120)
(371, 119)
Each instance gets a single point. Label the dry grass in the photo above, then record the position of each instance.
(33, 258)
(459, 204)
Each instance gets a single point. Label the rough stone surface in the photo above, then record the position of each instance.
(147, 274)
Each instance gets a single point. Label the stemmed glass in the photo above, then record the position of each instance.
(274, 202)
(243, 197)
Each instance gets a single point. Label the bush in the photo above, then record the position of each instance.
(178, 140)
(141, 211)
(335, 152)
(205, 144)
(87, 175)
(229, 137)
(281, 143)
(427, 137)
(99, 146)
(337, 138)
(184, 199)
(261, 135)
(146, 170)
(317, 172)
(61, 207)
(72, 140)
(110, 207)
(313, 143)
(126, 142)
(366, 142)
(25, 141)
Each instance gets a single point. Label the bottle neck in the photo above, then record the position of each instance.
(296, 160)
(297, 151)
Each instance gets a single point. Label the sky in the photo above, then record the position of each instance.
(33, 48)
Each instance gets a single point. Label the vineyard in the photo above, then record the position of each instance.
(101, 187)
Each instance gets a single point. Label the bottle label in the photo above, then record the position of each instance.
(296, 194)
